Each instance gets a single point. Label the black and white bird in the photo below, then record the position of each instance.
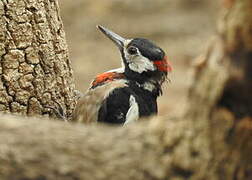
(124, 95)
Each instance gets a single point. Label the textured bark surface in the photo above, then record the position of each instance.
(222, 87)
(211, 141)
(54, 150)
(34, 66)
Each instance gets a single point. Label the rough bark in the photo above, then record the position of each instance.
(211, 140)
(34, 66)
(55, 150)
(220, 96)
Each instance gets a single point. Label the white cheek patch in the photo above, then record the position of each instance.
(139, 63)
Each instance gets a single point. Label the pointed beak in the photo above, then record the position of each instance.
(118, 40)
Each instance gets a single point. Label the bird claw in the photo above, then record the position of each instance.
(78, 94)
(59, 112)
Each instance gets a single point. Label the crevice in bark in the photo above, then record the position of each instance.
(237, 93)
(180, 172)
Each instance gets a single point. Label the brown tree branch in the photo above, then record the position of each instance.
(56, 150)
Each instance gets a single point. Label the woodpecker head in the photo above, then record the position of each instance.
(142, 60)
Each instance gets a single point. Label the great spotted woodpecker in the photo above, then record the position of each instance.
(123, 95)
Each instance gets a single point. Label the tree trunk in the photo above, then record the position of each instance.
(211, 141)
(220, 100)
(34, 64)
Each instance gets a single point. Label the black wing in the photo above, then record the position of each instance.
(115, 107)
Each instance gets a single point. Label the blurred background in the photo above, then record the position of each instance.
(180, 27)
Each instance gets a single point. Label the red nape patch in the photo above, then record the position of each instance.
(163, 65)
(107, 77)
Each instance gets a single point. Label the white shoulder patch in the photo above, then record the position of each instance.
(133, 112)
(118, 70)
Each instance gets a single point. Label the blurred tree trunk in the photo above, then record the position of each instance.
(211, 141)
(34, 66)
(220, 99)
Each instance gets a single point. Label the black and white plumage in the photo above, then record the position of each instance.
(123, 95)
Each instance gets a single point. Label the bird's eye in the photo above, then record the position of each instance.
(132, 50)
